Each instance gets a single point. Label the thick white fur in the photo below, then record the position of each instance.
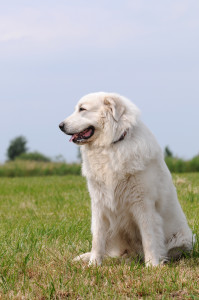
(135, 208)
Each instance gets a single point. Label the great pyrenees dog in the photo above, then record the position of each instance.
(135, 209)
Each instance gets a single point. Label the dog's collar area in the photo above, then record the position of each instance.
(121, 138)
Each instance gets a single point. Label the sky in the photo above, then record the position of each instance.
(54, 52)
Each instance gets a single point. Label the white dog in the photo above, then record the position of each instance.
(135, 209)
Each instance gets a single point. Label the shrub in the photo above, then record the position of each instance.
(178, 165)
(194, 164)
(34, 156)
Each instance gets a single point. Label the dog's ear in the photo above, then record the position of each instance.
(115, 106)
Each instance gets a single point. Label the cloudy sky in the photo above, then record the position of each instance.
(54, 52)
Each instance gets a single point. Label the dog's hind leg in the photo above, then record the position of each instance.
(83, 257)
(180, 243)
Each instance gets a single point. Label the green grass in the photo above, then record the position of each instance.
(45, 222)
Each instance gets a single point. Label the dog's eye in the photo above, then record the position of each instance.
(81, 109)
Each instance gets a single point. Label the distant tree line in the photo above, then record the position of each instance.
(18, 150)
(179, 165)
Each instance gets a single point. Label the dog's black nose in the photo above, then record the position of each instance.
(61, 126)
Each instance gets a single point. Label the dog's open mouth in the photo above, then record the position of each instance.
(83, 135)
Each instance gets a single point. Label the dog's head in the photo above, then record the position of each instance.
(100, 118)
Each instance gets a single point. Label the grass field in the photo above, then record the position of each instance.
(45, 222)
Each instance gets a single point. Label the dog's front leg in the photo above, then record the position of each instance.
(99, 231)
(151, 230)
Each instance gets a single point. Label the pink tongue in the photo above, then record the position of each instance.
(73, 137)
(86, 134)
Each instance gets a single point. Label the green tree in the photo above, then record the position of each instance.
(168, 152)
(17, 147)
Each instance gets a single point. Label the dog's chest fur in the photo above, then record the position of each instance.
(101, 165)
(117, 189)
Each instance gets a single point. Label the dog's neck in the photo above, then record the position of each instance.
(121, 137)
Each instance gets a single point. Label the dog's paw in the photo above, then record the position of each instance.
(152, 263)
(83, 257)
(95, 260)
